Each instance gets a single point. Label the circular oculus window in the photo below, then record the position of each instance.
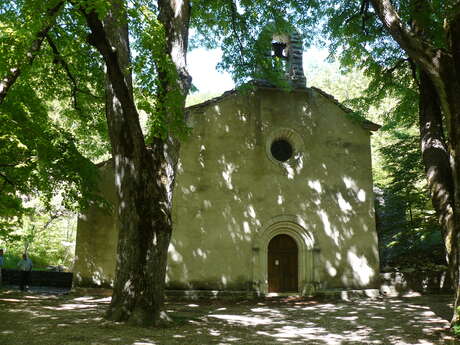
(282, 145)
(281, 150)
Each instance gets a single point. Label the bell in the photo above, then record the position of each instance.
(278, 48)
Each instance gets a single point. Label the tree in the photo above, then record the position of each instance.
(144, 174)
(144, 177)
(438, 63)
(410, 49)
(144, 163)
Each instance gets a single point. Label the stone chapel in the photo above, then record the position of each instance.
(273, 194)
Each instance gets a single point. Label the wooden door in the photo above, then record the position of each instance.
(282, 264)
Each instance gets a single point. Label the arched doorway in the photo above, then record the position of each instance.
(282, 264)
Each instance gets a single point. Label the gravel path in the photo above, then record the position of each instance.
(47, 318)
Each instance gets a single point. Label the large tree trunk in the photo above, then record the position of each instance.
(436, 158)
(435, 152)
(144, 177)
(47, 21)
(451, 75)
(143, 220)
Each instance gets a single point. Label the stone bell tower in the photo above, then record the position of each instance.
(280, 51)
(289, 47)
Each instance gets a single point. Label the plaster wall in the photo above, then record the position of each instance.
(229, 188)
(232, 197)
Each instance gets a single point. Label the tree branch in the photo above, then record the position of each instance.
(396, 66)
(7, 180)
(49, 221)
(58, 58)
(234, 13)
(98, 38)
(420, 51)
(48, 22)
(177, 27)
(413, 68)
(127, 120)
(364, 11)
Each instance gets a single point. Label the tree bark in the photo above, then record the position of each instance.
(144, 223)
(452, 74)
(144, 177)
(175, 18)
(435, 156)
(47, 23)
(419, 50)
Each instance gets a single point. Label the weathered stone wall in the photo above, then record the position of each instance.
(398, 283)
(230, 193)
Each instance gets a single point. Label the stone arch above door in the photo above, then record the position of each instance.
(305, 241)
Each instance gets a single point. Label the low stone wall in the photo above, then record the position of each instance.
(39, 278)
(211, 294)
(392, 284)
(400, 282)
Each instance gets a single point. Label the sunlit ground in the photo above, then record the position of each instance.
(36, 318)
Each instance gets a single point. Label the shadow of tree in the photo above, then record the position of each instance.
(50, 319)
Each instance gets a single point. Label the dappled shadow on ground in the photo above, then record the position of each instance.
(34, 318)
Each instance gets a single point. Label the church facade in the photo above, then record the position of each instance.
(273, 194)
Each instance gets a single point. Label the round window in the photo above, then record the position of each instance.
(281, 150)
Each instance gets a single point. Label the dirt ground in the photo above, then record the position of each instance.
(46, 318)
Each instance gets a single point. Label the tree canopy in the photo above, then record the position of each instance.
(51, 123)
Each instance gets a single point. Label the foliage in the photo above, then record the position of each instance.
(408, 225)
(456, 328)
(60, 96)
(149, 63)
(47, 235)
(243, 30)
(51, 120)
(357, 39)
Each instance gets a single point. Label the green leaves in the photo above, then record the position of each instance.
(52, 114)
(153, 70)
(36, 156)
(408, 223)
(241, 29)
